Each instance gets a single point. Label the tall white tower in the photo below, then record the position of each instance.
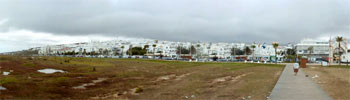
(346, 45)
(330, 58)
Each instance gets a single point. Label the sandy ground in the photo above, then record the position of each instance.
(208, 84)
(135, 79)
(334, 80)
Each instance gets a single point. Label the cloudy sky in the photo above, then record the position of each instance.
(28, 23)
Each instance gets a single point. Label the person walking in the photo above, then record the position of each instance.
(296, 68)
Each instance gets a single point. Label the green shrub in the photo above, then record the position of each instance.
(139, 90)
(29, 65)
(7, 80)
(59, 81)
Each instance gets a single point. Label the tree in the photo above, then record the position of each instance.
(198, 46)
(310, 49)
(193, 50)
(115, 51)
(130, 53)
(233, 51)
(93, 53)
(137, 51)
(181, 50)
(122, 50)
(291, 52)
(339, 39)
(100, 51)
(236, 51)
(247, 51)
(73, 53)
(253, 46)
(146, 47)
(275, 45)
(84, 52)
(154, 49)
(105, 52)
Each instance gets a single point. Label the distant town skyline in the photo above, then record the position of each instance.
(45, 39)
(25, 24)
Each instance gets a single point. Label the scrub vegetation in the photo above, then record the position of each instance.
(333, 79)
(106, 78)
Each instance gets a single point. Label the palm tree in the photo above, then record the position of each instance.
(198, 46)
(339, 39)
(105, 52)
(154, 49)
(130, 50)
(84, 52)
(253, 46)
(193, 50)
(208, 48)
(100, 51)
(122, 50)
(146, 47)
(311, 49)
(275, 45)
(233, 51)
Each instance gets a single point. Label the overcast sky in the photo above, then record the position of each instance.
(27, 23)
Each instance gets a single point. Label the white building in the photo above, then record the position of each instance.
(320, 49)
(165, 48)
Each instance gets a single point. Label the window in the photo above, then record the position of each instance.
(305, 51)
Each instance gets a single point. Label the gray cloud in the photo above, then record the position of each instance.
(182, 20)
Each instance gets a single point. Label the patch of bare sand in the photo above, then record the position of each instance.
(136, 91)
(166, 77)
(336, 81)
(94, 82)
(119, 95)
(228, 78)
(172, 77)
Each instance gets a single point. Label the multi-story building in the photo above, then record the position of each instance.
(155, 47)
(313, 49)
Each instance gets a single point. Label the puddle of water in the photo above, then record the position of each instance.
(5, 73)
(2, 88)
(83, 86)
(50, 71)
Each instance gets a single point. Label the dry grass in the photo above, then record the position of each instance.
(334, 79)
(178, 79)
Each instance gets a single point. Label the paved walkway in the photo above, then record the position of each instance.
(290, 87)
